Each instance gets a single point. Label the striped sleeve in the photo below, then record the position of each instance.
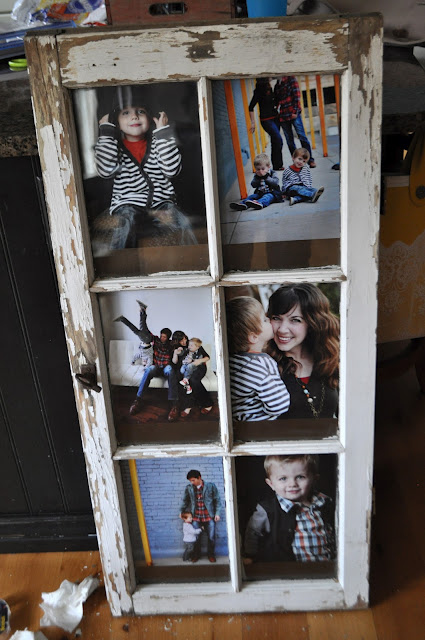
(168, 155)
(106, 156)
(305, 177)
(257, 391)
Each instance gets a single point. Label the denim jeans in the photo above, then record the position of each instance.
(157, 372)
(265, 199)
(300, 193)
(299, 129)
(187, 369)
(272, 128)
(209, 528)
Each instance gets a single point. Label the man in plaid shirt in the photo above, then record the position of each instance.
(161, 367)
(202, 500)
(288, 99)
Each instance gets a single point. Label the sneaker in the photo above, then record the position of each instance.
(238, 206)
(136, 406)
(254, 204)
(312, 164)
(292, 201)
(184, 382)
(318, 193)
(188, 388)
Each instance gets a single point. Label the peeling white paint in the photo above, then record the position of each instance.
(198, 51)
(203, 52)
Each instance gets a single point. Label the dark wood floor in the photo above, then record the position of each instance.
(397, 592)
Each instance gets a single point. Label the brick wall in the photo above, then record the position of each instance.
(162, 483)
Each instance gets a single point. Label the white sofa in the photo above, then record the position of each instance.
(125, 374)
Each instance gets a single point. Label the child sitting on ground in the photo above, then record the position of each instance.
(297, 523)
(296, 180)
(266, 186)
(192, 357)
(190, 534)
(257, 391)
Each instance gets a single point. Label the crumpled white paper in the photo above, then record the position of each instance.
(28, 635)
(64, 607)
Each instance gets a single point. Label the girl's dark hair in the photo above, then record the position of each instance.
(128, 97)
(322, 339)
(176, 337)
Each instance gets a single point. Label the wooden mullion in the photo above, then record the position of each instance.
(206, 121)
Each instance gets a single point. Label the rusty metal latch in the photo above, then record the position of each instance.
(88, 377)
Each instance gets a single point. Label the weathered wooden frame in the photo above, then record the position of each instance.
(349, 46)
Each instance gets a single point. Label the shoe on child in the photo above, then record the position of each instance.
(238, 206)
(292, 201)
(188, 388)
(318, 193)
(254, 204)
(184, 382)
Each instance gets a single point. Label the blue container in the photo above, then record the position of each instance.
(265, 8)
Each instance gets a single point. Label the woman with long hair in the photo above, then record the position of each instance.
(305, 346)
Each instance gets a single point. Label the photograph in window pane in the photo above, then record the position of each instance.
(162, 365)
(177, 519)
(143, 182)
(286, 506)
(283, 345)
(278, 147)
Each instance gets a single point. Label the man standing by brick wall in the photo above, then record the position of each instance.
(202, 500)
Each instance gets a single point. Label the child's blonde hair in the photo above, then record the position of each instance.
(262, 158)
(301, 152)
(309, 460)
(197, 341)
(244, 315)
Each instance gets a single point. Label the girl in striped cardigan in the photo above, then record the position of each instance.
(141, 155)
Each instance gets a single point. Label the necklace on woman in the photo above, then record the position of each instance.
(310, 399)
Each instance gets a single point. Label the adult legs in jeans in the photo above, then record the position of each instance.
(289, 135)
(173, 393)
(150, 372)
(197, 544)
(272, 128)
(209, 527)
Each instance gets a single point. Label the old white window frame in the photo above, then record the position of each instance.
(349, 46)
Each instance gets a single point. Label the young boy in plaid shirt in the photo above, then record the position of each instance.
(297, 522)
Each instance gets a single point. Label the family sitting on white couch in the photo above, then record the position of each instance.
(171, 358)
